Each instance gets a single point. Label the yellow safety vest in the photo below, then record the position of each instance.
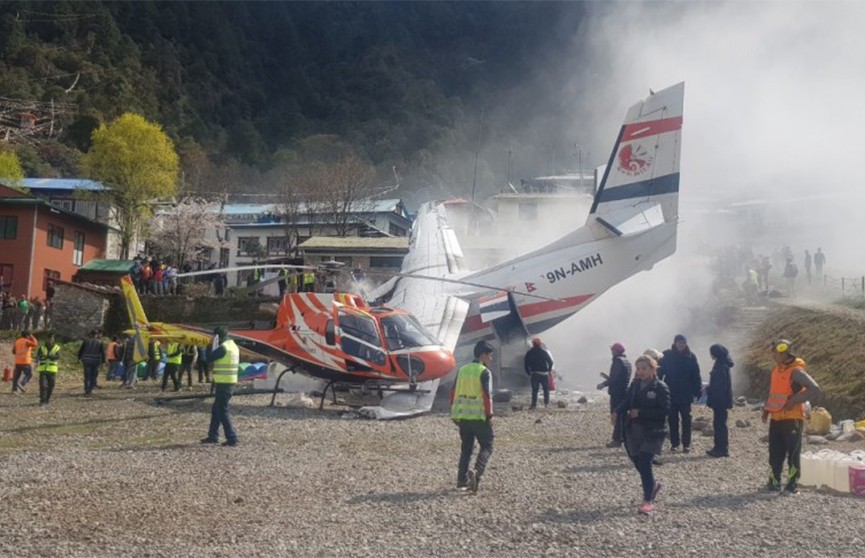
(225, 369)
(469, 394)
(308, 278)
(157, 351)
(46, 365)
(172, 348)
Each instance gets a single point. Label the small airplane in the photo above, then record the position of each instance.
(335, 337)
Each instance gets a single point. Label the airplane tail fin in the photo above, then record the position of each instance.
(136, 317)
(640, 186)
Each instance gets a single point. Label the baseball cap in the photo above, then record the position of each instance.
(618, 347)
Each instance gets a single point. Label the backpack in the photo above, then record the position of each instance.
(793, 271)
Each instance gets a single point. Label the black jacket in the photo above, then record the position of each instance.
(720, 392)
(92, 351)
(652, 399)
(620, 375)
(681, 372)
(538, 359)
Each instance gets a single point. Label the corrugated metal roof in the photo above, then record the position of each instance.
(62, 184)
(355, 242)
(112, 266)
(373, 206)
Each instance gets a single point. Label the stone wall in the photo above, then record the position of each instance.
(198, 310)
(78, 309)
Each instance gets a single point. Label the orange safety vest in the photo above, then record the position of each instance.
(780, 391)
(112, 348)
(22, 350)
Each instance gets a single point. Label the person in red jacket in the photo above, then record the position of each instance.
(23, 351)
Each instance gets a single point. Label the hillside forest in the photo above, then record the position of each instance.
(252, 92)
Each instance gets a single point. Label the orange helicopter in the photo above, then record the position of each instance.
(336, 337)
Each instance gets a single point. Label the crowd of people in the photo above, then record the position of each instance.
(644, 411)
(758, 271)
(19, 313)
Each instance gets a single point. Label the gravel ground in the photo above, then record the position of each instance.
(117, 475)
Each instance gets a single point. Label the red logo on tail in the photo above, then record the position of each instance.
(634, 160)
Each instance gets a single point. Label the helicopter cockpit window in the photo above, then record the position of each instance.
(360, 338)
(405, 331)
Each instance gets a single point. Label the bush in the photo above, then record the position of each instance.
(196, 290)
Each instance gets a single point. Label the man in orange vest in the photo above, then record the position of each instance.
(790, 388)
(22, 350)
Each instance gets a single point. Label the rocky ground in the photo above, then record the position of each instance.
(119, 475)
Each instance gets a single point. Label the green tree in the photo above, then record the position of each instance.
(11, 173)
(137, 160)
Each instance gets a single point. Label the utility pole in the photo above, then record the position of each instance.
(475, 180)
(580, 155)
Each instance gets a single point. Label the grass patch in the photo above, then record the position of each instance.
(833, 347)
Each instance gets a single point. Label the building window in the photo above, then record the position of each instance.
(528, 211)
(277, 245)
(6, 276)
(55, 236)
(223, 257)
(394, 230)
(68, 205)
(78, 252)
(248, 246)
(8, 227)
(385, 261)
(50, 275)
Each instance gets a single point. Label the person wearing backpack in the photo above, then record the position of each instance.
(790, 273)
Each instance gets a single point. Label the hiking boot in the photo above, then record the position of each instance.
(658, 486)
(473, 481)
(208, 441)
(774, 487)
(646, 508)
(791, 490)
(716, 453)
(657, 461)
(229, 443)
(674, 448)
(686, 449)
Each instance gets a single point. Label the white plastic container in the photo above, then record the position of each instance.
(808, 476)
(840, 481)
(822, 462)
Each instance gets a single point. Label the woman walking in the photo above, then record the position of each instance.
(645, 410)
(720, 399)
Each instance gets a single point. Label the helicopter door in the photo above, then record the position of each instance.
(359, 338)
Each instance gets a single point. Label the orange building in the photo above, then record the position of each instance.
(39, 241)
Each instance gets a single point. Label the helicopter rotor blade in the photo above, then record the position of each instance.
(458, 282)
(245, 267)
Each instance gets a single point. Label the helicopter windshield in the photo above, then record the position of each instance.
(405, 331)
(360, 338)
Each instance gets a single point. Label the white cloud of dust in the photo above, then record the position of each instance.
(772, 111)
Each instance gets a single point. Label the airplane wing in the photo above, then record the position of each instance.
(435, 251)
